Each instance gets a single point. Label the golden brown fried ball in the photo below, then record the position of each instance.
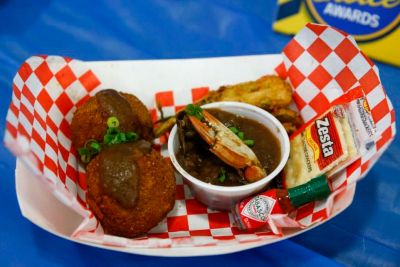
(156, 196)
(90, 120)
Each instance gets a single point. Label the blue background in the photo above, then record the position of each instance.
(367, 233)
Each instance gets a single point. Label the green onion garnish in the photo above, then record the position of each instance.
(241, 135)
(107, 138)
(113, 136)
(122, 137)
(93, 146)
(132, 136)
(222, 175)
(112, 122)
(194, 110)
(249, 142)
(85, 158)
(190, 109)
(115, 140)
(112, 130)
(234, 130)
(83, 151)
(84, 154)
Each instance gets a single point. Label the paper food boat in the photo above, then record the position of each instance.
(320, 62)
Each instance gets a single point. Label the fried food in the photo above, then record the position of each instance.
(289, 127)
(285, 115)
(269, 92)
(90, 119)
(290, 119)
(131, 188)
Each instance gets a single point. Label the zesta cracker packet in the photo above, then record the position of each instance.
(331, 142)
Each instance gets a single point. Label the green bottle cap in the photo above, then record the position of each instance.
(316, 189)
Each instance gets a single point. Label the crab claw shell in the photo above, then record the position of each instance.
(206, 132)
(230, 157)
(228, 147)
(254, 173)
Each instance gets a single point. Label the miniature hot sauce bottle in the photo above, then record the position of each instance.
(253, 212)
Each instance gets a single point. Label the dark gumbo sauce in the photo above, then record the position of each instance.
(205, 166)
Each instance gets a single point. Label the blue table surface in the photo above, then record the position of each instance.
(365, 234)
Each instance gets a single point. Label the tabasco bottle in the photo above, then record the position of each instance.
(253, 212)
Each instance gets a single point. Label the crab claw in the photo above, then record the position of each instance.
(228, 147)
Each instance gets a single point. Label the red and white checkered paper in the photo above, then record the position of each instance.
(320, 62)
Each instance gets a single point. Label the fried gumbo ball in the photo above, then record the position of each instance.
(131, 188)
(90, 119)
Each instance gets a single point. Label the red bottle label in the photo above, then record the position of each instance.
(254, 211)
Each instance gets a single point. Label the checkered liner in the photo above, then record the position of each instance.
(321, 63)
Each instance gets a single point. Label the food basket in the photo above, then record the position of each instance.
(320, 62)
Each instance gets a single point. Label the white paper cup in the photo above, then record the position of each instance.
(224, 197)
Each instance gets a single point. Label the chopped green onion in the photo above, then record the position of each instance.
(85, 158)
(107, 138)
(199, 116)
(93, 146)
(132, 136)
(249, 142)
(122, 137)
(190, 109)
(83, 151)
(234, 130)
(115, 140)
(113, 136)
(112, 130)
(194, 110)
(84, 154)
(222, 175)
(240, 135)
(112, 122)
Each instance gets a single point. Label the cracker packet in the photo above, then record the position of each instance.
(331, 141)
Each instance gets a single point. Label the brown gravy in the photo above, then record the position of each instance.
(119, 174)
(114, 104)
(205, 166)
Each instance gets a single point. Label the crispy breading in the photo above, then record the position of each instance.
(268, 92)
(156, 197)
(142, 114)
(285, 115)
(289, 127)
(89, 121)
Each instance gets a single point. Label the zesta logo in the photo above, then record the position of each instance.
(324, 137)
